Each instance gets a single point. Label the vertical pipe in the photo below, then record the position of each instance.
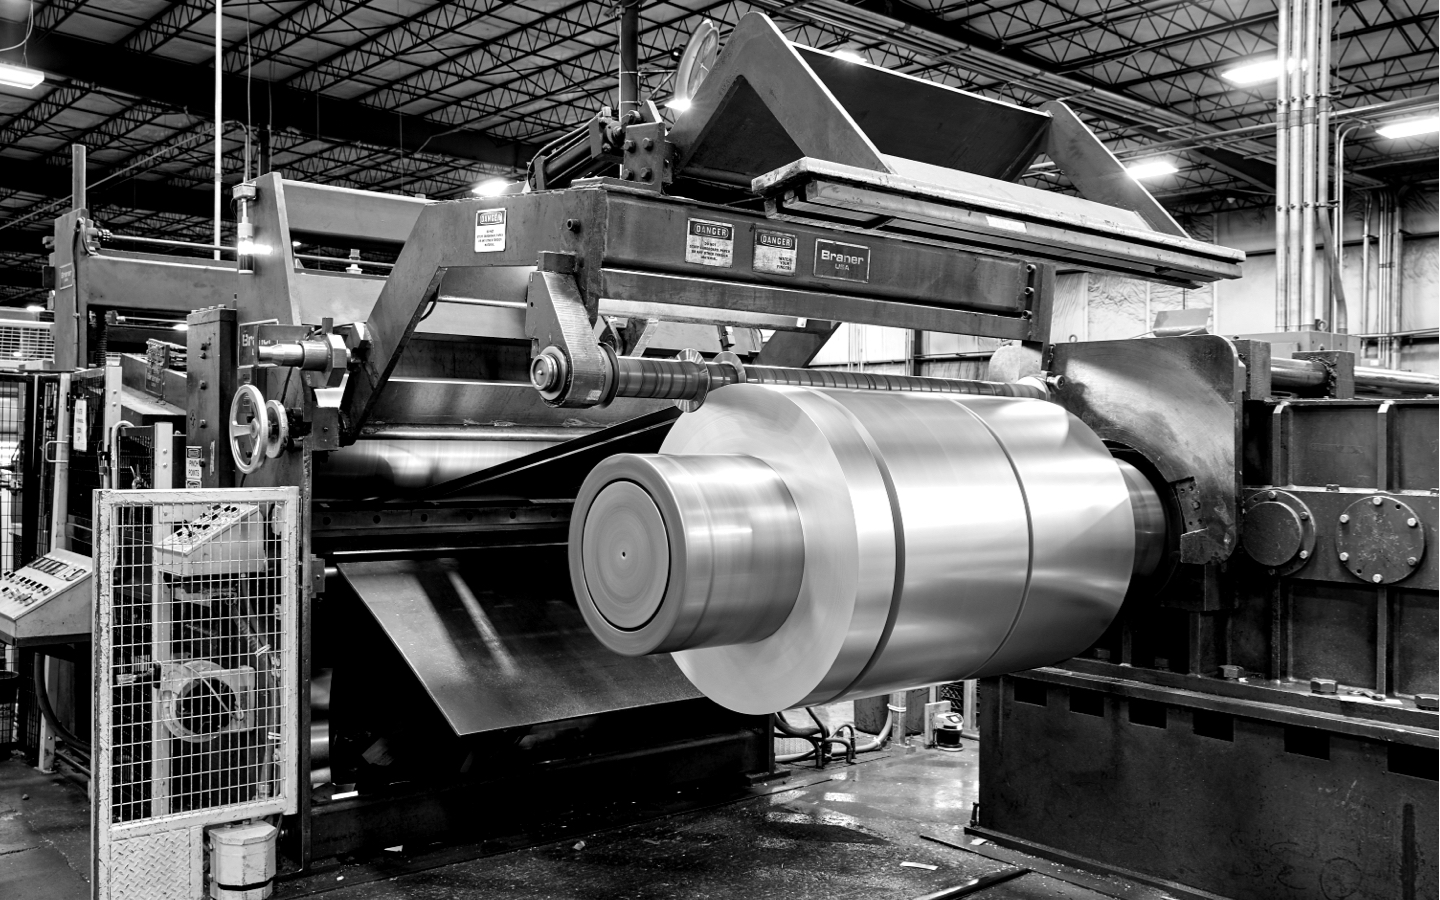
(77, 176)
(1365, 297)
(1397, 279)
(1282, 168)
(219, 124)
(1295, 66)
(1307, 198)
(60, 496)
(1322, 149)
(629, 58)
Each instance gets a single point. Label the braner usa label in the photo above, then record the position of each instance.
(489, 230)
(847, 262)
(709, 243)
(775, 252)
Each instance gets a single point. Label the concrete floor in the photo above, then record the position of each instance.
(845, 832)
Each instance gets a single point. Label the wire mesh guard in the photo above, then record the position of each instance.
(195, 650)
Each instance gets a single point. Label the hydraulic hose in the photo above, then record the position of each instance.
(42, 698)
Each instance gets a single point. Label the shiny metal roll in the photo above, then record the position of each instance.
(928, 538)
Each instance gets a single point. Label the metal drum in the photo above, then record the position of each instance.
(794, 546)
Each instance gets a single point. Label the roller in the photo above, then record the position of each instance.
(794, 546)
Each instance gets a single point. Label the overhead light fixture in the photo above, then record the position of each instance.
(35, 308)
(1410, 127)
(492, 188)
(181, 326)
(250, 248)
(851, 56)
(1151, 169)
(1253, 72)
(20, 76)
(679, 104)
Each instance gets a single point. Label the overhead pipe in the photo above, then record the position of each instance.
(1294, 312)
(1322, 158)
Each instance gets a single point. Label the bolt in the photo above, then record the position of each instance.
(1323, 686)
(1344, 519)
(1412, 522)
(1270, 494)
(648, 143)
(627, 174)
(1304, 554)
(1376, 578)
(1232, 673)
(1344, 557)
(629, 146)
(572, 224)
(1304, 515)
(1269, 571)
(203, 423)
(646, 174)
(1412, 561)
(1194, 504)
(204, 385)
(1377, 500)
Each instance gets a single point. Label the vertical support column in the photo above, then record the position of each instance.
(219, 119)
(77, 176)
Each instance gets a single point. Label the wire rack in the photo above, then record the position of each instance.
(23, 340)
(195, 661)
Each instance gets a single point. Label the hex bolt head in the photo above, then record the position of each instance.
(1270, 494)
(1412, 561)
(629, 146)
(646, 174)
(1304, 515)
(1344, 519)
(648, 143)
(1194, 504)
(1412, 522)
(1324, 686)
(1344, 557)
(1304, 554)
(1377, 500)
(1376, 578)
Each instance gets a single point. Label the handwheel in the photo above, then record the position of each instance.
(249, 428)
(279, 434)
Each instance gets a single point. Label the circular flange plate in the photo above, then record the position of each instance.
(627, 555)
(1380, 539)
(1278, 531)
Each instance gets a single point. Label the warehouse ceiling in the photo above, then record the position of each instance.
(430, 98)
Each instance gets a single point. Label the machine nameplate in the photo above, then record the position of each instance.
(709, 243)
(489, 230)
(775, 252)
(847, 262)
(65, 276)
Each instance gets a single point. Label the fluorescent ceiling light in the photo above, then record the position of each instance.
(34, 308)
(492, 188)
(20, 76)
(1253, 72)
(1151, 169)
(851, 56)
(1410, 127)
(679, 104)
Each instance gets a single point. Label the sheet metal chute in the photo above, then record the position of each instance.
(796, 546)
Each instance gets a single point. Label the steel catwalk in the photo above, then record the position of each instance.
(822, 544)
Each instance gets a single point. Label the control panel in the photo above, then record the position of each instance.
(47, 601)
(224, 539)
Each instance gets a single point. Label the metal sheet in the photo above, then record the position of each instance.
(491, 661)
